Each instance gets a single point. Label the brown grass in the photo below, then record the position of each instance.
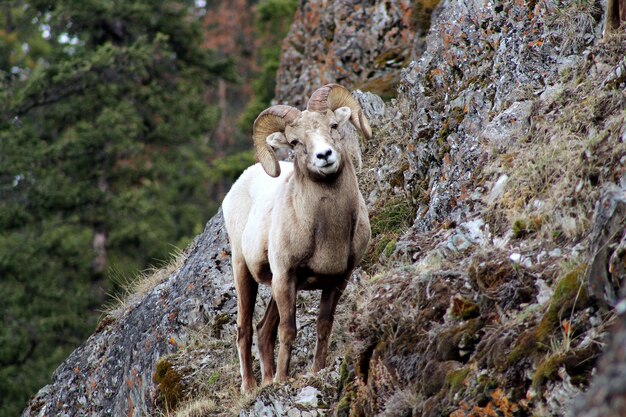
(573, 148)
(572, 24)
(198, 407)
(136, 288)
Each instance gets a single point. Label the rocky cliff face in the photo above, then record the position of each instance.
(496, 183)
(357, 44)
(111, 374)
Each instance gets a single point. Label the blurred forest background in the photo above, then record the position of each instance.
(122, 122)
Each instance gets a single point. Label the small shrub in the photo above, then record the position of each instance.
(569, 295)
(388, 220)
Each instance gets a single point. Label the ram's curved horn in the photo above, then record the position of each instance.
(272, 119)
(333, 96)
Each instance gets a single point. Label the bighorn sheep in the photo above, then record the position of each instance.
(303, 226)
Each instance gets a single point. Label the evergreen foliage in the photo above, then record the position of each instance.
(104, 151)
(272, 21)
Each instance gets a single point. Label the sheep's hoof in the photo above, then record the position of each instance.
(281, 378)
(248, 386)
(316, 368)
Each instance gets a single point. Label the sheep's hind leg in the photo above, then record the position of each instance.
(246, 288)
(328, 305)
(284, 293)
(267, 330)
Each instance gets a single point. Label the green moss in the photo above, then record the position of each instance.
(526, 345)
(458, 341)
(519, 229)
(343, 372)
(343, 406)
(455, 380)
(169, 385)
(392, 216)
(481, 392)
(578, 364)
(346, 381)
(486, 382)
(569, 295)
(388, 220)
(444, 146)
(390, 247)
(523, 227)
(443, 133)
(213, 378)
(547, 370)
(346, 373)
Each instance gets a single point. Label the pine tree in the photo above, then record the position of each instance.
(272, 21)
(104, 149)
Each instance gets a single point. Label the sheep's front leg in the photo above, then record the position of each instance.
(246, 288)
(284, 292)
(328, 305)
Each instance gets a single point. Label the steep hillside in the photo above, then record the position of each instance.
(357, 44)
(496, 182)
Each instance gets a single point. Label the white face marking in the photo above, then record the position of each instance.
(322, 155)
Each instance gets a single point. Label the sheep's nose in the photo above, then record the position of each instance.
(324, 155)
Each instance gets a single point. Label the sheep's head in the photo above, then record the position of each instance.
(313, 133)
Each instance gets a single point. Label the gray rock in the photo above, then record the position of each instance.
(373, 106)
(606, 396)
(294, 412)
(510, 125)
(111, 373)
(608, 228)
(354, 43)
(307, 397)
(551, 92)
(498, 189)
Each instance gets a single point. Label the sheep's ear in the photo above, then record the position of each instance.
(277, 140)
(342, 114)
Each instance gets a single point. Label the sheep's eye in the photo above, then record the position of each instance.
(294, 142)
(334, 125)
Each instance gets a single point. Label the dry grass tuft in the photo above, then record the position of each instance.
(198, 407)
(573, 24)
(134, 289)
